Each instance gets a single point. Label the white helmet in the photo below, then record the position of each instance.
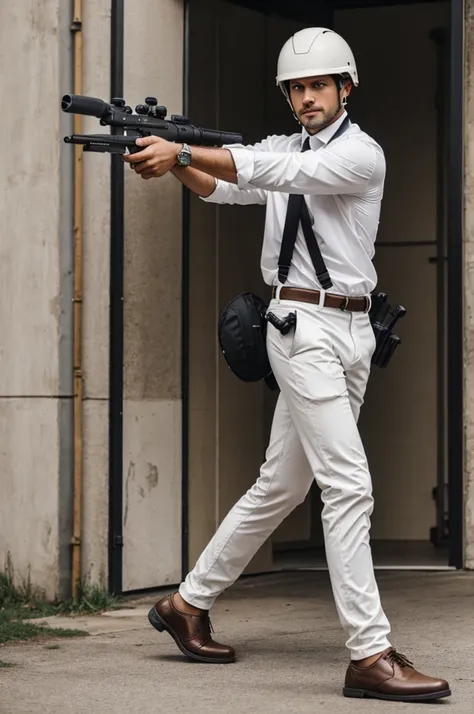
(313, 52)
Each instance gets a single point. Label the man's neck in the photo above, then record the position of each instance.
(326, 132)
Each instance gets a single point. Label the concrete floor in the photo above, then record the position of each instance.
(386, 554)
(291, 655)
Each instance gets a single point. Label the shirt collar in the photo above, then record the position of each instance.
(323, 136)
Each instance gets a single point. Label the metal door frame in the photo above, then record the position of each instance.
(455, 296)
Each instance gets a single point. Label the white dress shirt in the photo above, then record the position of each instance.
(343, 185)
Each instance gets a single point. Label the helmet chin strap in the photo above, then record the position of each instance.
(284, 86)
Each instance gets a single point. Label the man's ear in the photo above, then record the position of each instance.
(347, 87)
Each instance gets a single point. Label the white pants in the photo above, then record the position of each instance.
(322, 368)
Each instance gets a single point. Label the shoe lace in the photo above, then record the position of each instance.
(398, 658)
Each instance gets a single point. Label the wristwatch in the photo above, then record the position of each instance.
(184, 156)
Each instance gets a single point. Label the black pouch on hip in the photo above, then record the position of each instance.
(383, 318)
(242, 332)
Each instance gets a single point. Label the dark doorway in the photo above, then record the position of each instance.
(418, 442)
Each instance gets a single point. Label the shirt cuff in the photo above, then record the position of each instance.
(244, 161)
(218, 195)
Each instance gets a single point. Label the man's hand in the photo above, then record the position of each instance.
(160, 156)
(156, 159)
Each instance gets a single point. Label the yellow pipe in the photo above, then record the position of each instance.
(77, 315)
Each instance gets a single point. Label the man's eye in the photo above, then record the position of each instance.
(297, 86)
(319, 85)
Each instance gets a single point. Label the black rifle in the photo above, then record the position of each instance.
(127, 127)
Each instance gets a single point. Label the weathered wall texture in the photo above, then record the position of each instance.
(36, 275)
(152, 304)
(469, 291)
(96, 220)
(34, 278)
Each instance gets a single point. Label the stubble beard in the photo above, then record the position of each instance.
(318, 122)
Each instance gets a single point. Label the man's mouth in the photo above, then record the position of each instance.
(311, 111)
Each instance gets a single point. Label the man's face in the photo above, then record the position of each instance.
(316, 101)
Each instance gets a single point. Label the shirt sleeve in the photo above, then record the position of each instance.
(347, 166)
(232, 194)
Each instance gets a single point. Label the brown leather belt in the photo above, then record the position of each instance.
(354, 304)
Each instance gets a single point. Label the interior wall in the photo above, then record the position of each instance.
(396, 104)
(242, 108)
(229, 420)
(401, 447)
(225, 429)
(469, 296)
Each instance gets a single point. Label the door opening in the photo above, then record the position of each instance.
(411, 422)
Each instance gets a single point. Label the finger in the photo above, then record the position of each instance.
(151, 172)
(140, 156)
(148, 140)
(145, 166)
(133, 158)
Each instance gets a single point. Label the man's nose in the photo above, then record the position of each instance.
(308, 98)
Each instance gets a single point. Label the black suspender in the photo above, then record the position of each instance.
(298, 211)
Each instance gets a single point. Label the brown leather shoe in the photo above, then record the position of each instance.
(192, 633)
(393, 677)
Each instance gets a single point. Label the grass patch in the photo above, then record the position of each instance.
(23, 602)
(13, 630)
(91, 599)
(4, 665)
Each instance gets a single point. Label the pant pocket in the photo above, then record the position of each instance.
(363, 336)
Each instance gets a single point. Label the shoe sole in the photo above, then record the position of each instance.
(361, 693)
(159, 624)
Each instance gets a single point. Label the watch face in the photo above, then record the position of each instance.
(184, 157)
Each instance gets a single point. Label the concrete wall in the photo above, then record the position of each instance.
(398, 421)
(152, 307)
(96, 83)
(36, 273)
(469, 290)
(152, 303)
(35, 292)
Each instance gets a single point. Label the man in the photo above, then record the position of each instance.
(322, 367)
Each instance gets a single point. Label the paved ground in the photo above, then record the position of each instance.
(290, 647)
